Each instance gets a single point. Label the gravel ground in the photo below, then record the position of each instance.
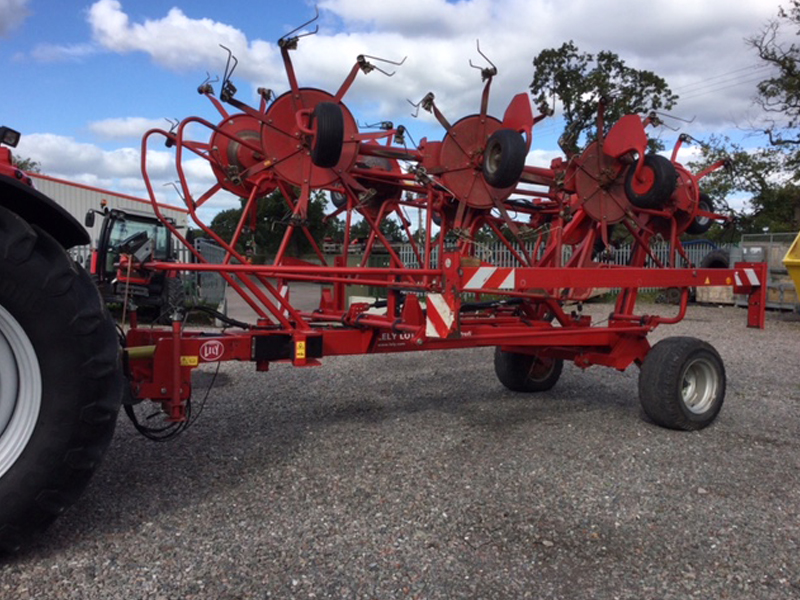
(420, 476)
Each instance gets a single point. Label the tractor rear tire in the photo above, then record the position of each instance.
(526, 372)
(326, 149)
(682, 383)
(664, 180)
(504, 158)
(61, 380)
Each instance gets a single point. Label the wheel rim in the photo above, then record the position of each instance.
(20, 390)
(492, 158)
(699, 386)
(701, 220)
(541, 368)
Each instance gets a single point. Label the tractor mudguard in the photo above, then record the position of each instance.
(38, 209)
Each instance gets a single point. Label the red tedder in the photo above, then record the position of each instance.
(556, 222)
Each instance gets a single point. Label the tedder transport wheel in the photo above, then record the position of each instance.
(682, 383)
(526, 372)
(326, 149)
(60, 380)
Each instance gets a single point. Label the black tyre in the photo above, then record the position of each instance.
(662, 178)
(504, 158)
(701, 224)
(326, 148)
(173, 299)
(682, 383)
(526, 372)
(61, 380)
(716, 259)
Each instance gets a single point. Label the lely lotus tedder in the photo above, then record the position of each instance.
(556, 221)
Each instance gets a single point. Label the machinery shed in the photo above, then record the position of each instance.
(78, 199)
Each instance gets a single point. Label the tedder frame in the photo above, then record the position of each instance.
(559, 222)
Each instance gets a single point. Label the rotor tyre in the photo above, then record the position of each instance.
(504, 158)
(526, 372)
(682, 383)
(60, 380)
(326, 149)
(663, 177)
(701, 224)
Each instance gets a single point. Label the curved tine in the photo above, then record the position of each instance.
(486, 72)
(284, 39)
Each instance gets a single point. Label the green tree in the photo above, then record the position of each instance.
(273, 216)
(769, 176)
(779, 95)
(580, 80)
(27, 164)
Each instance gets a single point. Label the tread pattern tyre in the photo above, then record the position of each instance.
(526, 372)
(66, 360)
(662, 178)
(326, 149)
(504, 158)
(716, 259)
(700, 224)
(682, 383)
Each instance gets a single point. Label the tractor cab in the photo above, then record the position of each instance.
(140, 235)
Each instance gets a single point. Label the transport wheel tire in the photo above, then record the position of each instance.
(526, 372)
(701, 224)
(504, 158)
(326, 149)
(660, 181)
(60, 380)
(682, 383)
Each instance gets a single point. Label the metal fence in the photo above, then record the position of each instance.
(500, 255)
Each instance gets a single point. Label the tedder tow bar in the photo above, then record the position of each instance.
(556, 221)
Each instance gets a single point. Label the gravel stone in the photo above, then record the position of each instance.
(420, 476)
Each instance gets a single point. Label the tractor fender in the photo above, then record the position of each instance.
(38, 209)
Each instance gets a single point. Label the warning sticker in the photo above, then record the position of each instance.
(300, 350)
(190, 361)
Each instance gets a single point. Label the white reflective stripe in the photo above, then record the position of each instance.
(752, 276)
(480, 277)
(438, 305)
(737, 279)
(509, 282)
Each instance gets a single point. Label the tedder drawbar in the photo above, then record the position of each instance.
(63, 373)
(556, 221)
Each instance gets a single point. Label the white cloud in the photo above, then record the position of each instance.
(59, 53)
(126, 127)
(178, 42)
(12, 14)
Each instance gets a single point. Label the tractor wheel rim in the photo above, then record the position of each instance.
(20, 390)
(699, 385)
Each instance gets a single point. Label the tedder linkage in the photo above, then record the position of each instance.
(557, 222)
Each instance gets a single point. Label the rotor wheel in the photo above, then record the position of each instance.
(504, 158)
(328, 122)
(655, 185)
(701, 224)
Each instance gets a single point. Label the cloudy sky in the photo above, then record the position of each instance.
(84, 80)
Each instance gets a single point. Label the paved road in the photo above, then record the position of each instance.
(419, 476)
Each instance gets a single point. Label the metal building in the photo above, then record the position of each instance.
(78, 199)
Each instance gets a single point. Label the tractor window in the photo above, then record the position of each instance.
(124, 228)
